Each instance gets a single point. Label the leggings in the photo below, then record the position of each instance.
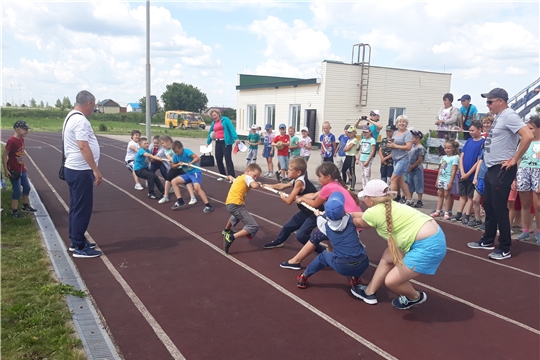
(221, 151)
(349, 164)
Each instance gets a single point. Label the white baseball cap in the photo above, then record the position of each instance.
(304, 129)
(376, 188)
(253, 127)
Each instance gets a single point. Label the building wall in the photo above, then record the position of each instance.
(111, 109)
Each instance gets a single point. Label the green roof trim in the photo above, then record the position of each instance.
(259, 82)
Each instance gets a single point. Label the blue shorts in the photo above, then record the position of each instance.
(416, 181)
(401, 166)
(425, 256)
(266, 152)
(21, 183)
(283, 162)
(194, 177)
(480, 186)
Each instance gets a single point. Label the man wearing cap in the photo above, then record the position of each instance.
(468, 113)
(81, 172)
(13, 160)
(374, 125)
(501, 154)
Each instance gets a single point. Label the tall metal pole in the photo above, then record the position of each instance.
(148, 114)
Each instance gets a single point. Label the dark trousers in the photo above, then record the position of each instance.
(174, 173)
(350, 165)
(152, 179)
(221, 151)
(81, 198)
(159, 165)
(302, 223)
(497, 185)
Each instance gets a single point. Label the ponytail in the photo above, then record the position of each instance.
(392, 244)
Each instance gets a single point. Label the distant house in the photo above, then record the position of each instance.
(108, 106)
(123, 106)
(133, 107)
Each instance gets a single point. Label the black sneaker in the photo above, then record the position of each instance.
(482, 227)
(17, 215)
(272, 245)
(465, 221)
(360, 292)
(288, 265)
(419, 204)
(404, 303)
(456, 218)
(208, 209)
(474, 223)
(228, 239)
(226, 231)
(397, 198)
(28, 208)
(153, 197)
(278, 176)
(86, 252)
(403, 200)
(481, 245)
(89, 244)
(178, 204)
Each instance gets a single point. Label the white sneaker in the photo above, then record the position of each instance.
(192, 201)
(163, 200)
(220, 179)
(138, 187)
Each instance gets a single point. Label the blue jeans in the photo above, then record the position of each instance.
(21, 182)
(81, 198)
(302, 223)
(354, 268)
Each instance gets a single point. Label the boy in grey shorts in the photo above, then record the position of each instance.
(254, 139)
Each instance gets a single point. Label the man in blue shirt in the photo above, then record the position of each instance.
(468, 113)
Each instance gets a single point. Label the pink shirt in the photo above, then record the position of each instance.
(218, 129)
(350, 204)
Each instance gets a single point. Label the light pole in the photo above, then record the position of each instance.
(148, 114)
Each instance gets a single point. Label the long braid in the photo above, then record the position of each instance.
(392, 244)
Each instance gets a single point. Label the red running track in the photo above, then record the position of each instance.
(183, 297)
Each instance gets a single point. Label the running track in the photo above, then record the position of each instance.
(167, 290)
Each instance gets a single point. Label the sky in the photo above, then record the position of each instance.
(54, 49)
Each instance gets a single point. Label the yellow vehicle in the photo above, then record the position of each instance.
(184, 119)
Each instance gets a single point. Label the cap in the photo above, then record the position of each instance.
(465, 97)
(282, 126)
(334, 208)
(253, 127)
(21, 124)
(351, 129)
(496, 93)
(268, 126)
(376, 188)
(376, 112)
(417, 133)
(365, 129)
(304, 129)
(391, 128)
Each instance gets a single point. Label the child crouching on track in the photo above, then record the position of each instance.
(408, 232)
(140, 166)
(348, 256)
(235, 206)
(174, 170)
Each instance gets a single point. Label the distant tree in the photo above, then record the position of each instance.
(66, 104)
(8, 104)
(183, 97)
(230, 113)
(47, 104)
(41, 104)
(33, 103)
(58, 103)
(142, 104)
(23, 105)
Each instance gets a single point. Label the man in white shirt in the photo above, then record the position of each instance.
(81, 172)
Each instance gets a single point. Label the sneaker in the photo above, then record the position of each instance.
(178, 204)
(409, 202)
(465, 221)
(208, 209)
(86, 252)
(481, 245)
(418, 204)
(272, 245)
(220, 179)
(227, 231)
(288, 265)
(397, 198)
(524, 236)
(28, 208)
(482, 227)
(163, 200)
(537, 238)
(499, 255)
(301, 281)
(447, 216)
(227, 242)
(17, 215)
(456, 218)
(193, 201)
(278, 176)
(285, 181)
(355, 281)
(269, 175)
(153, 197)
(474, 223)
(435, 213)
(403, 200)
(88, 244)
(404, 303)
(360, 292)
(138, 187)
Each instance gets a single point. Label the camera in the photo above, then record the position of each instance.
(363, 118)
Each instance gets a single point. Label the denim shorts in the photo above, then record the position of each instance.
(401, 166)
(425, 256)
(283, 162)
(416, 181)
(21, 182)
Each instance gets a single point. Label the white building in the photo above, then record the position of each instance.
(336, 97)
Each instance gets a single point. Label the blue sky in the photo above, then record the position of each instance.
(54, 49)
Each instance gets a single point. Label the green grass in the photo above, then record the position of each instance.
(35, 317)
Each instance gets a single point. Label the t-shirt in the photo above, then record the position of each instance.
(15, 149)
(294, 142)
(531, 158)
(445, 172)
(303, 142)
(354, 148)
(169, 152)
(415, 152)
(327, 144)
(219, 130)
(366, 146)
(374, 132)
(309, 188)
(130, 154)
(253, 138)
(342, 140)
(386, 151)
(267, 141)
(78, 128)
(467, 119)
(483, 167)
(350, 205)
(186, 158)
(406, 223)
(239, 189)
(283, 138)
(401, 139)
(141, 161)
(502, 140)
(471, 151)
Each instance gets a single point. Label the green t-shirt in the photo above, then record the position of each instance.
(294, 142)
(352, 150)
(406, 222)
(366, 147)
(254, 138)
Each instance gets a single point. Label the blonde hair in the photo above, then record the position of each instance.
(214, 110)
(397, 255)
(402, 118)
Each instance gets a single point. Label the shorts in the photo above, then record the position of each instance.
(401, 166)
(443, 184)
(16, 185)
(283, 162)
(425, 256)
(513, 195)
(239, 213)
(416, 181)
(251, 154)
(386, 171)
(466, 188)
(129, 165)
(480, 187)
(528, 179)
(194, 177)
(266, 152)
(172, 173)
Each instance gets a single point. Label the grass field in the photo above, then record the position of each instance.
(35, 317)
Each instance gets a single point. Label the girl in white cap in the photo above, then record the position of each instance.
(416, 245)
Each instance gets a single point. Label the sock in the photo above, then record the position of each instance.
(193, 197)
(26, 205)
(525, 230)
(14, 211)
(165, 196)
(207, 204)
(458, 214)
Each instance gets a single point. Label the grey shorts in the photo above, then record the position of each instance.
(251, 154)
(239, 213)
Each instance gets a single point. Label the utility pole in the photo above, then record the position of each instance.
(148, 114)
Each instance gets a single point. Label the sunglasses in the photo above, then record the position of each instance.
(490, 102)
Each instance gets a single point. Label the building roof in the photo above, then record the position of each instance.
(259, 81)
(135, 105)
(108, 102)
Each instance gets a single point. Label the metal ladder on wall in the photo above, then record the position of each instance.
(363, 58)
(526, 100)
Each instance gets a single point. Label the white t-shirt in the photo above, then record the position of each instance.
(130, 154)
(78, 128)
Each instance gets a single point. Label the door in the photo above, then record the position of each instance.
(311, 123)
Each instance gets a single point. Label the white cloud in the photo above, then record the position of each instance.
(511, 70)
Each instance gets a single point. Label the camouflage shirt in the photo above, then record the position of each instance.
(386, 151)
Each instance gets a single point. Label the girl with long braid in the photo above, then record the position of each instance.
(416, 245)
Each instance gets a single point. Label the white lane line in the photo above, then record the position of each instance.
(158, 330)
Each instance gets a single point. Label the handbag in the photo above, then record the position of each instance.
(207, 160)
(62, 167)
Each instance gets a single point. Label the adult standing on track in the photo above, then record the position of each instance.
(501, 154)
(81, 172)
(225, 137)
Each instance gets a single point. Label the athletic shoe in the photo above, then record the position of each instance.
(17, 215)
(456, 218)
(138, 187)
(435, 213)
(220, 179)
(153, 197)
(360, 292)
(404, 303)
(301, 281)
(288, 265)
(419, 204)
(447, 216)
(86, 252)
(208, 209)
(481, 245)
(397, 198)
(192, 201)
(537, 238)
(88, 244)
(278, 176)
(227, 242)
(28, 208)
(409, 202)
(285, 181)
(355, 281)
(178, 204)
(272, 245)
(524, 236)
(474, 223)
(163, 200)
(499, 255)
(403, 200)
(482, 227)
(465, 221)
(227, 231)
